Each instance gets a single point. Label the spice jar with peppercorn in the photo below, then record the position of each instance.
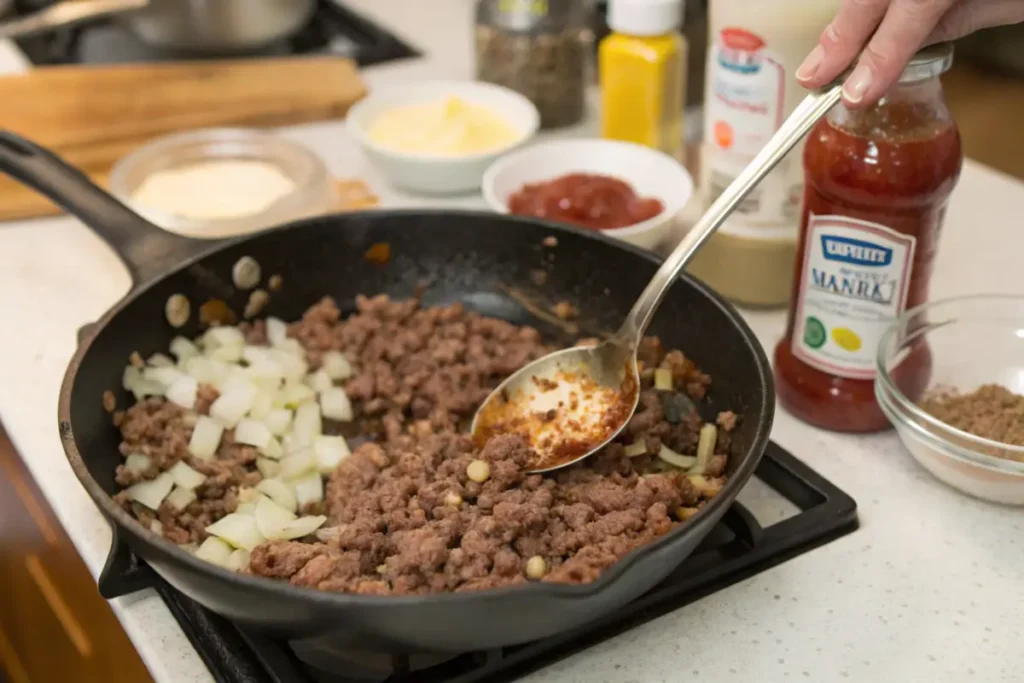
(539, 49)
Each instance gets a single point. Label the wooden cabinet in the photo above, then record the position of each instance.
(54, 626)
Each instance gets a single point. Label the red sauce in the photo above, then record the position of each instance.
(592, 201)
(891, 170)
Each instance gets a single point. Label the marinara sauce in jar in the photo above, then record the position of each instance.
(877, 183)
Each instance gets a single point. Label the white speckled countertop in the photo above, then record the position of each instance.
(931, 588)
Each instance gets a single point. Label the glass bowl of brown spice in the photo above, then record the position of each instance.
(951, 380)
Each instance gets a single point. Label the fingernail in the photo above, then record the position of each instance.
(811, 64)
(857, 84)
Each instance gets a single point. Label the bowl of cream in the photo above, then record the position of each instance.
(439, 137)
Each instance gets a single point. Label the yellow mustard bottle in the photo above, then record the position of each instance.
(642, 73)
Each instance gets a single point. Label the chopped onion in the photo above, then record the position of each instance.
(252, 433)
(334, 404)
(330, 451)
(319, 381)
(707, 487)
(159, 360)
(328, 533)
(137, 462)
(205, 438)
(238, 560)
(298, 463)
(293, 367)
(271, 518)
(245, 508)
(151, 493)
(303, 526)
(254, 354)
(189, 547)
(262, 404)
(635, 449)
(247, 494)
(156, 526)
(186, 477)
(279, 492)
(234, 402)
(307, 424)
(238, 530)
(164, 375)
(133, 381)
(297, 394)
(223, 335)
(309, 488)
(180, 498)
(277, 330)
(705, 448)
(675, 459)
(214, 551)
(272, 449)
(336, 365)
(183, 348)
(663, 379)
(278, 420)
(225, 354)
(268, 468)
(204, 369)
(292, 347)
(183, 391)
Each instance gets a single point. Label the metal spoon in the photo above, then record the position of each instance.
(570, 403)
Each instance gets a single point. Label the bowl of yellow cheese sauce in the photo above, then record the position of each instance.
(440, 137)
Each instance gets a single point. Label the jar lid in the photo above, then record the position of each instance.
(929, 62)
(645, 17)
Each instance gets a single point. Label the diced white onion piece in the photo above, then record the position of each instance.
(268, 468)
(334, 404)
(252, 433)
(234, 402)
(238, 530)
(156, 526)
(675, 459)
(298, 463)
(309, 488)
(214, 551)
(245, 508)
(278, 420)
(330, 451)
(319, 381)
(238, 560)
(336, 365)
(307, 424)
(636, 448)
(248, 495)
(663, 379)
(163, 375)
(180, 498)
(183, 391)
(137, 462)
(151, 493)
(183, 348)
(133, 381)
(262, 404)
(189, 547)
(293, 367)
(205, 438)
(303, 526)
(185, 476)
(279, 492)
(705, 448)
(225, 354)
(159, 360)
(254, 354)
(205, 370)
(272, 449)
(224, 335)
(266, 372)
(277, 330)
(328, 533)
(297, 394)
(292, 347)
(271, 517)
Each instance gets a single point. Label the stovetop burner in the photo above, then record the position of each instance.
(333, 30)
(804, 510)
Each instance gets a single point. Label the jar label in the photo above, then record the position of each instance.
(854, 281)
(744, 107)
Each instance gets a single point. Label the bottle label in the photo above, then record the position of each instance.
(854, 282)
(745, 105)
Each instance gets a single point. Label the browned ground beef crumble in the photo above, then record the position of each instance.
(395, 524)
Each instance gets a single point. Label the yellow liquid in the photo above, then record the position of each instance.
(448, 127)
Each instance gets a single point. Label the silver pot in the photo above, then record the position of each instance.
(193, 25)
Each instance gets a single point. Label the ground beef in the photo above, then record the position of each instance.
(404, 517)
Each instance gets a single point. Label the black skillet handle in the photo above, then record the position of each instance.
(124, 573)
(145, 249)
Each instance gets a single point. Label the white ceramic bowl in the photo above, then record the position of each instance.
(971, 341)
(439, 174)
(651, 173)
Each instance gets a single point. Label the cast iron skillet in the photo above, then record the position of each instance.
(461, 256)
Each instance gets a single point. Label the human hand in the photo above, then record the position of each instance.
(900, 28)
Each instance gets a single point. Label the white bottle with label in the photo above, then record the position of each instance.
(754, 49)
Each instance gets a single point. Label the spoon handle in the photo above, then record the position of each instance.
(803, 118)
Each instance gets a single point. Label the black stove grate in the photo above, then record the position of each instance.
(333, 30)
(737, 548)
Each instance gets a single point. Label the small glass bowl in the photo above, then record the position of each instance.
(312, 195)
(971, 341)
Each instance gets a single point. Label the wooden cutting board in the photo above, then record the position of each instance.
(94, 115)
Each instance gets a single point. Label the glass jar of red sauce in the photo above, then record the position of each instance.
(877, 183)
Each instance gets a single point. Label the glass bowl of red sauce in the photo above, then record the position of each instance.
(620, 189)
